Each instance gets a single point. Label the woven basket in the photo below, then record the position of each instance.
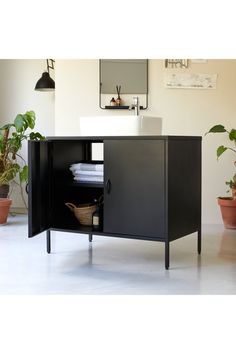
(83, 212)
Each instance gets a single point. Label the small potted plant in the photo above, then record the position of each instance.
(11, 162)
(227, 204)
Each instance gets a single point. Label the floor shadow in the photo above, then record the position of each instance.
(228, 245)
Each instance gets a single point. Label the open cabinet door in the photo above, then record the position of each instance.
(39, 187)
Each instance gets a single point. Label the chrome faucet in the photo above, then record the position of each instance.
(135, 105)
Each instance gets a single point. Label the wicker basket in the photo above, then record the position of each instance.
(83, 212)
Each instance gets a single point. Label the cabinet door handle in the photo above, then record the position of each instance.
(108, 186)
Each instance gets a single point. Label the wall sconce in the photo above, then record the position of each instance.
(46, 83)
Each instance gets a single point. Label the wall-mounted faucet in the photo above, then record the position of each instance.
(135, 105)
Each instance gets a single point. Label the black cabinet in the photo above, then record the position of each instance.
(151, 189)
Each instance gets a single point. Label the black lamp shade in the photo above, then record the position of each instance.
(45, 83)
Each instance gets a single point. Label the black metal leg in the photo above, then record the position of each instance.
(48, 241)
(167, 254)
(90, 237)
(199, 241)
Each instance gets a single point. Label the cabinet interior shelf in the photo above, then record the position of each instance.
(74, 226)
(86, 184)
(70, 183)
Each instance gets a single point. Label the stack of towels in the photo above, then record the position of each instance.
(86, 172)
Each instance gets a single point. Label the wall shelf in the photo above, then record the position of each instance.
(120, 107)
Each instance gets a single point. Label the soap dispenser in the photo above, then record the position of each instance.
(113, 102)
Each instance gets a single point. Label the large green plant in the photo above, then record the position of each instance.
(221, 149)
(11, 137)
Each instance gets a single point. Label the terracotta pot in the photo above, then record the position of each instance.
(234, 193)
(5, 204)
(228, 211)
(4, 190)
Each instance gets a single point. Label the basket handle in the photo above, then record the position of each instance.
(70, 206)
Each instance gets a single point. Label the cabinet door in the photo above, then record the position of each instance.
(39, 187)
(134, 195)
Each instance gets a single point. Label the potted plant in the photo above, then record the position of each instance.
(12, 163)
(227, 204)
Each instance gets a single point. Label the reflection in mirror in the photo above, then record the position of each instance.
(130, 74)
(97, 152)
(121, 79)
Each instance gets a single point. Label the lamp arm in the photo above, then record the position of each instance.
(52, 64)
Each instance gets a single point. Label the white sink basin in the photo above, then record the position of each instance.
(119, 125)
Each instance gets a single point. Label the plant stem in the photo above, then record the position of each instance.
(22, 196)
(231, 149)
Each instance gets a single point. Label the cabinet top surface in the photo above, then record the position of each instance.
(125, 137)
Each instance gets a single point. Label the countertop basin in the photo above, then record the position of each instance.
(119, 125)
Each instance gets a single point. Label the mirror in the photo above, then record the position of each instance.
(131, 75)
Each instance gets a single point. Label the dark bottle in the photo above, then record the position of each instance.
(96, 218)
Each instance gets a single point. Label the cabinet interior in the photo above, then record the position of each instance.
(64, 188)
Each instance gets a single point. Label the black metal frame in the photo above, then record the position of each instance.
(167, 244)
(100, 84)
(50, 66)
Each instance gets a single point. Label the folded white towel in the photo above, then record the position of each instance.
(87, 173)
(88, 179)
(86, 167)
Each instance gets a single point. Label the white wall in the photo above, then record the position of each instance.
(184, 112)
(190, 112)
(17, 95)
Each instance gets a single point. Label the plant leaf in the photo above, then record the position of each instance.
(221, 149)
(30, 119)
(232, 134)
(6, 126)
(36, 136)
(217, 129)
(24, 174)
(9, 173)
(19, 123)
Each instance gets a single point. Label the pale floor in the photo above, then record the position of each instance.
(115, 266)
